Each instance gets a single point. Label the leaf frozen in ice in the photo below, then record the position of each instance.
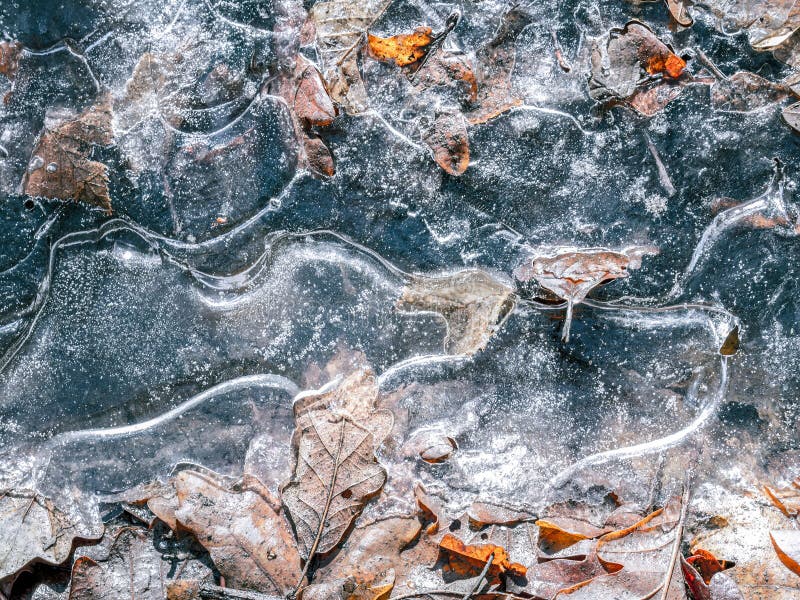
(787, 546)
(571, 273)
(60, 167)
(403, 49)
(34, 529)
(448, 139)
(130, 567)
(472, 302)
(341, 27)
(786, 499)
(470, 559)
(335, 473)
(9, 58)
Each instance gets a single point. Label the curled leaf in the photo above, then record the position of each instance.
(787, 547)
(679, 12)
(403, 49)
(470, 559)
(786, 499)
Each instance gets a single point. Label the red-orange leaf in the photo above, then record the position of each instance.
(403, 49)
(470, 559)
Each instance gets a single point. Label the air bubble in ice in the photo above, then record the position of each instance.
(36, 163)
(52, 167)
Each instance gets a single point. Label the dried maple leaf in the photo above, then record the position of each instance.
(403, 49)
(787, 547)
(448, 140)
(494, 66)
(131, 566)
(341, 27)
(9, 58)
(60, 167)
(627, 57)
(571, 273)
(470, 559)
(472, 302)
(335, 474)
(786, 499)
(247, 539)
(34, 530)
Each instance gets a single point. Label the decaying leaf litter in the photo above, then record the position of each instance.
(348, 497)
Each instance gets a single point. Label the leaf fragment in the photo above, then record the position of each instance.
(745, 91)
(60, 167)
(485, 513)
(33, 529)
(786, 499)
(470, 559)
(403, 49)
(9, 58)
(787, 547)
(472, 302)
(679, 11)
(448, 140)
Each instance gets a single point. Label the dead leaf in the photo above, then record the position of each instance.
(310, 106)
(619, 586)
(652, 99)
(9, 58)
(627, 57)
(448, 140)
(34, 530)
(706, 564)
(745, 91)
(786, 499)
(791, 116)
(60, 167)
(787, 547)
(470, 559)
(558, 534)
(403, 49)
(248, 540)
(431, 509)
(433, 447)
(341, 27)
(495, 65)
(472, 302)
(448, 71)
(547, 579)
(371, 549)
(768, 34)
(356, 397)
(132, 567)
(335, 474)
(679, 12)
(698, 588)
(481, 514)
(571, 273)
(730, 345)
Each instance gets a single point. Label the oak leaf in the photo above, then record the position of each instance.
(403, 49)
(335, 473)
(472, 302)
(60, 167)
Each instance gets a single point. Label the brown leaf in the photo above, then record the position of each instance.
(469, 559)
(403, 49)
(698, 589)
(431, 509)
(193, 589)
(786, 499)
(787, 547)
(335, 474)
(745, 91)
(769, 34)
(547, 579)
(495, 65)
(434, 448)
(60, 167)
(489, 513)
(131, 567)
(472, 302)
(730, 345)
(628, 56)
(310, 106)
(791, 116)
(341, 27)
(451, 71)
(249, 542)
(559, 533)
(619, 586)
(34, 530)
(9, 58)
(651, 100)
(356, 397)
(371, 549)
(571, 273)
(679, 12)
(448, 140)
(706, 564)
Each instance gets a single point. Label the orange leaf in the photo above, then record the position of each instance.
(470, 560)
(403, 49)
(787, 546)
(706, 564)
(786, 499)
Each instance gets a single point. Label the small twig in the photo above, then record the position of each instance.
(438, 41)
(562, 61)
(478, 583)
(701, 56)
(676, 548)
(663, 175)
